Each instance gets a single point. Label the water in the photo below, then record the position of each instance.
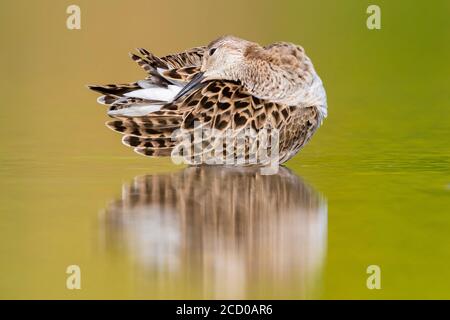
(220, 233)
(173, 232)
(371, 188)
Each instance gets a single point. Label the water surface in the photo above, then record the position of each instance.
(371, 188)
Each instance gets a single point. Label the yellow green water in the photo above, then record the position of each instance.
(371, 188)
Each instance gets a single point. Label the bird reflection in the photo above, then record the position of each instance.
(215, 232)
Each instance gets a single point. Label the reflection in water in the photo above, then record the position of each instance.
(209, 232)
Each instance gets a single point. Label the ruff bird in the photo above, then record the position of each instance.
(229, 87)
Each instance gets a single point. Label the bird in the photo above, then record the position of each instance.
(243, 96)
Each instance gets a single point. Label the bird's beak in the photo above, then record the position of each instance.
(194, 84)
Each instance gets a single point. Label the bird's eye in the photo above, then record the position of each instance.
(211, 51)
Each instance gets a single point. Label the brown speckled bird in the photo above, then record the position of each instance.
(230, 85)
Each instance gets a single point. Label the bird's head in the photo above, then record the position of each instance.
(223, 60)
(224, 57)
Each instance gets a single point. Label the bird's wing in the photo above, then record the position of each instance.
(228, 109)
(188, 58)
(222, 109)
(166, 76)
(149, 62)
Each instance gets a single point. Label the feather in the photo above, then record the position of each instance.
(134, 110)
(159, 94)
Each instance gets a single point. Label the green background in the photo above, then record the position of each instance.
(381, 158)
